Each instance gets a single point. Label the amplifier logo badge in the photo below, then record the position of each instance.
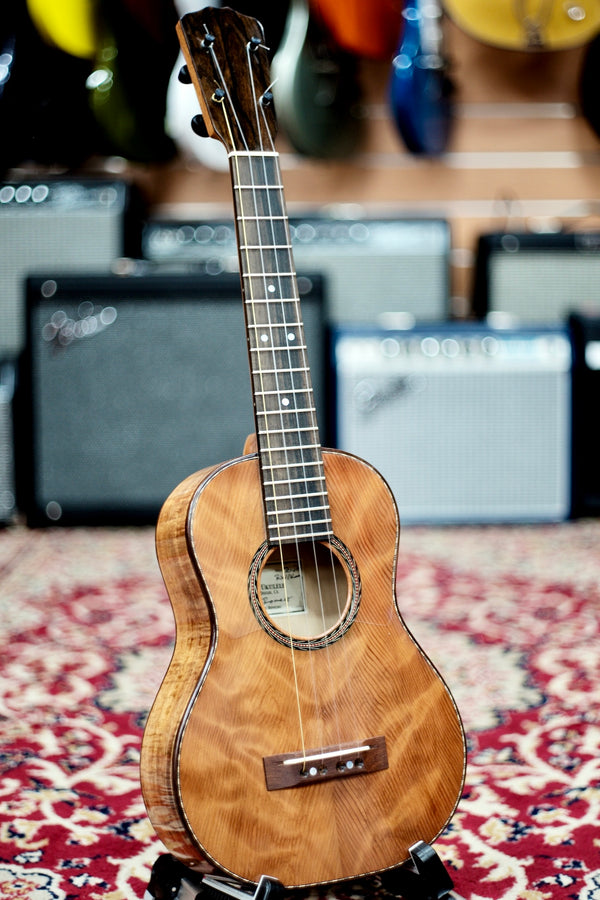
(90, 320)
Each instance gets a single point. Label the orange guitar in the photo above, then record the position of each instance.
(300, 732)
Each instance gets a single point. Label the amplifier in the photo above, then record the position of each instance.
(371, 267)
(537, 278)
(467, 424)
(7, 474)
(132, 383)
(62, 226)
(586, 396)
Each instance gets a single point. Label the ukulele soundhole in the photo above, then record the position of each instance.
(305, 594)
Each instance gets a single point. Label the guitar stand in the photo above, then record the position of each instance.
(425, 879)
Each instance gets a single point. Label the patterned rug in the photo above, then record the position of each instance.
(510, 615)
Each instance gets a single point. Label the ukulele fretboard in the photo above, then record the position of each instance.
(291, 462)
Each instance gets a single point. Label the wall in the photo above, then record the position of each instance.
(521, 155)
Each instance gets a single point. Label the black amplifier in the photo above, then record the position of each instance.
(130, 384)
(586, 401)
(537, 278)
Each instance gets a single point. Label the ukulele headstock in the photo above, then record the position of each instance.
(228, 64)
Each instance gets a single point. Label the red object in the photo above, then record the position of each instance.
(367, 28)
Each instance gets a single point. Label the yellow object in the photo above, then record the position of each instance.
(69, 25)
(527, 24)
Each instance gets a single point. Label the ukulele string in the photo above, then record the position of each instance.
(313, 429)
(226, 95)
(297, 332)
(297, 329)
(284, 329)
(249, 291)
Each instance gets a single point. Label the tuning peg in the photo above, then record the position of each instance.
(267, 98)
(199, 126)
(184, 75)
(208, 41)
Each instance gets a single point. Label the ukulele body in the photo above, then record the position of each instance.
(236, 695)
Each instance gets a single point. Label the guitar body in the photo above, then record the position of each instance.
(230, 699)
(316, 89)
(529, 25)
(420, 90)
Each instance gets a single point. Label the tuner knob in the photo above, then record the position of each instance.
(208, 41)
(184, 75)
(199, 126)
(267, 98)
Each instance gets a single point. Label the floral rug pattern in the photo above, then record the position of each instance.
(510, 615)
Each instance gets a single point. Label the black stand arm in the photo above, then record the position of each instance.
(427, 879)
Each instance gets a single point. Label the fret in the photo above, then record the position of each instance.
(285, 431)
(276, 394)
(307, 464)
(261, 169)
(250, 153)
(292, 348)
(280, 348)
(297, 530)
(264, 246)
(294, 481)
(268, 263)
(257, 200)
(294, 352)
(270, 276)
(288, 325)
(307, 411)
(287, 371)
(275, 313)
(270, 220)
(275, 303)
(297, 513)
(294, 447)
(298, 523)
(277, 497)
(268, 230)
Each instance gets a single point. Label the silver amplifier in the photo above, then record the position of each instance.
(372, 267)
(466, 423)
(59, 225)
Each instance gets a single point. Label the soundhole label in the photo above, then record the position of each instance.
(305, 594)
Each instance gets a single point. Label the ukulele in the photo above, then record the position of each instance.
(300, 732)
(420, 89)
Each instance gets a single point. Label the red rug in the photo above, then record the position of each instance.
(511, 616)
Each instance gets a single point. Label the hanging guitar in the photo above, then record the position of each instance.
(420, 89)
(316, 88)
(529, 25)
(300, 731)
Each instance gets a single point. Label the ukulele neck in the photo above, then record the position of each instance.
(291, 462)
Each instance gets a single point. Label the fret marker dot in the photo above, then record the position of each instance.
(264, 338)
(285, 401)
(291, 336)
(271, 289)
